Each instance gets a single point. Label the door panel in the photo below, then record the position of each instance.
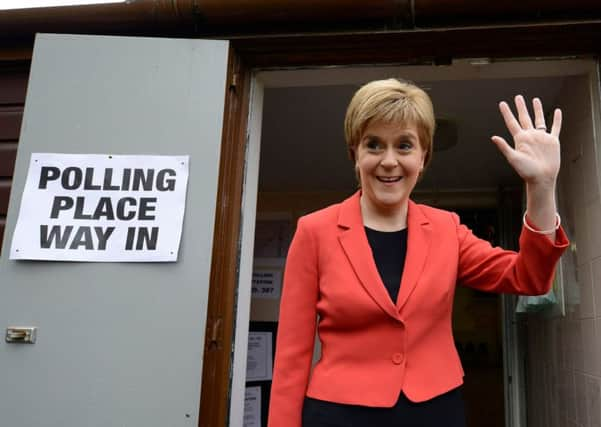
(118, 343)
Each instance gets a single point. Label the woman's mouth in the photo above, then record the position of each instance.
(389, 179)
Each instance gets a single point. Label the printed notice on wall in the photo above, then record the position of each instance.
(266, 283)
(252, 407)
(108, 208)
(259, 362)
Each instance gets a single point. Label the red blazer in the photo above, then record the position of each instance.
(373, 348)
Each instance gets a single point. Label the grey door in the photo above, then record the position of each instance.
(118, 344)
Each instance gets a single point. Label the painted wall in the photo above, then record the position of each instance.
(564, 363)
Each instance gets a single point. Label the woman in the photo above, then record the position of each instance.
(377, 272)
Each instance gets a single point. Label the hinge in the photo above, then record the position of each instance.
(215, 333)
(234, 81)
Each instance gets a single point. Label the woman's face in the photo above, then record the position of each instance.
(389, 159)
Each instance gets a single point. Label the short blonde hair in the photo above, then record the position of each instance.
(390, 100)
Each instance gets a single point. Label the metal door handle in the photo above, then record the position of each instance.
(21, 334)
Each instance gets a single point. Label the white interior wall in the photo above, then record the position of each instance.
(565, 353)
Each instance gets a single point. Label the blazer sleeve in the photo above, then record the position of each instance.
(527, 272)
(296, 330)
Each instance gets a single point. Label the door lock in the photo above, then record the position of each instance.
(21, 334)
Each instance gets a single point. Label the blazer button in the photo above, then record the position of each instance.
(397, 358)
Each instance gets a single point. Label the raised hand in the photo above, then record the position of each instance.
(535, 154)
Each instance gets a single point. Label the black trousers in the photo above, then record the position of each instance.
(446, 410)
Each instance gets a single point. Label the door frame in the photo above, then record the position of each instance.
(249, 54)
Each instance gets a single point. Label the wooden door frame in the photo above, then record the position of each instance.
(221, 311)
(432, 46)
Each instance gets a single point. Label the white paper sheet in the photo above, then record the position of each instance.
(259, 364)
(97, 207)
(252, 407)
(267, 283)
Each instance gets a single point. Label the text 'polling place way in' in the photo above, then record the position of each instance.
(101, 208)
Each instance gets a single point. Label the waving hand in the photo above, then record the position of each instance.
(535, 154)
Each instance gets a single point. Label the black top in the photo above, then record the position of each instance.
(389, 249)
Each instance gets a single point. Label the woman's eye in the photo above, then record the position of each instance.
(372, 145)
(405, 146)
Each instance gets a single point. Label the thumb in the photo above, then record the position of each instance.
(503, 147)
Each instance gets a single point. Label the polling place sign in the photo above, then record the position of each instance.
(96, 207)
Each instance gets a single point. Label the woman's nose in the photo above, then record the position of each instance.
(388, 158)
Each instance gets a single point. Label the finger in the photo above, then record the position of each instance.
(539, 115)
(510, 121)
(503, 147)
(556, 128)
(523, 114)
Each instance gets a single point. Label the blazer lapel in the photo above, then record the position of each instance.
(356, 247)
(418, 245)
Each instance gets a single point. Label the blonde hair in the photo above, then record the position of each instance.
(390, 100)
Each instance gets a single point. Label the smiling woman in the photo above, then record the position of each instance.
(389, 129)
(388, 160)
(379, 273)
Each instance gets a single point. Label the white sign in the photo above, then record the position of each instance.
(252, 407)
(266, 283)
(259, 362)
(93, 207)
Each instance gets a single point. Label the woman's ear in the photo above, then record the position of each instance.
(357, 175)
(424, 155)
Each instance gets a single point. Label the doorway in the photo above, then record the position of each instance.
(301, 165)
